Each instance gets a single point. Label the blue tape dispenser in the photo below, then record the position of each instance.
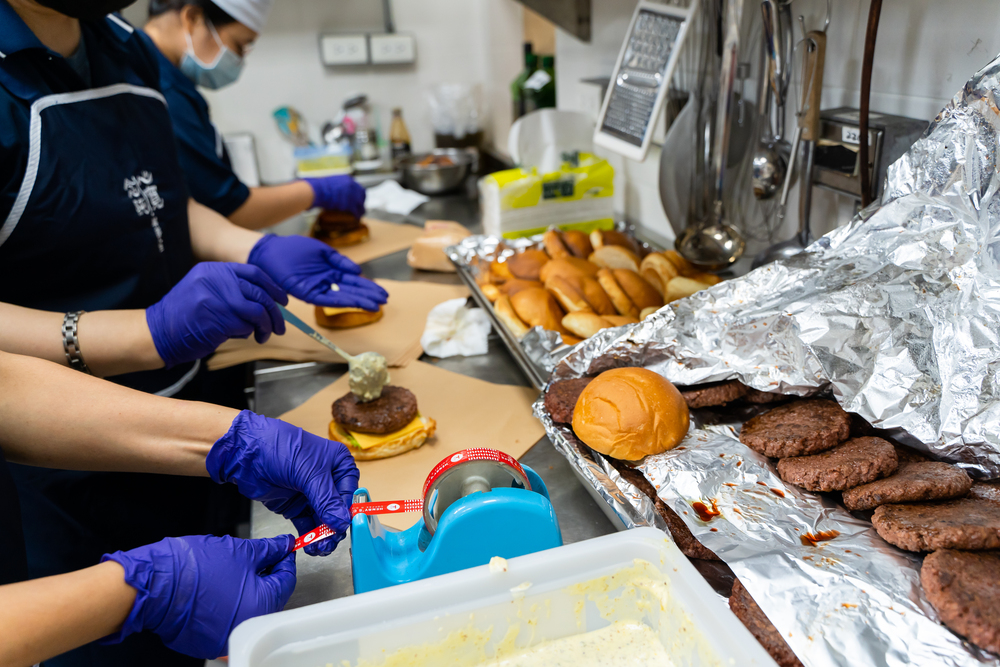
(477, 503)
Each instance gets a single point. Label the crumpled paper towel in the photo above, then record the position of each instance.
(392, 197)
(452, 330)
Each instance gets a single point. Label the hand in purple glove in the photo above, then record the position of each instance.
(338, 193)
(303, 477)
(307, 268)
(192, 591)
(214, 302)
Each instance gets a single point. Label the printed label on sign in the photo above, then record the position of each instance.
(851, 135)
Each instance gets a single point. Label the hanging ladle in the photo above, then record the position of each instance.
(713, 244)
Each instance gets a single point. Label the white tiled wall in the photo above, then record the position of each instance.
(926, 50)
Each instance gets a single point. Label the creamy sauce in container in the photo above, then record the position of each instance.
(621, 644)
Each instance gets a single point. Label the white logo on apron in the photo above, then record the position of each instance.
(146, 200)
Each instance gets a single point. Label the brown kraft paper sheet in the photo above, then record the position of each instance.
(468, 412)
(386, 238)
(396, 336)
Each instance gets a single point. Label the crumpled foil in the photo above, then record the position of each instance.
(896, 314)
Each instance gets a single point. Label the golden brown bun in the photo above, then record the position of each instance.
(506, 313)
(615, 257)
(568, 296)
(620, 320)
(345, 318)
(639, 291)
(585, 325)
(623, 304)
(683, 266)
(554, 245)
(527, 265)
(491, 292)
(395, 447)
(629, 413)
(578, 243)
(570, 339)
(500, 270)
(567, 267)
(681, 287)
(605, 237)
(538, 308)
(658, 271)
(596, 296)
(646, 312)
(515, 285)
(359, 234)
(707, 278)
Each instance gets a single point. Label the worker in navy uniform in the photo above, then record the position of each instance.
(204, 43)
(189, 592)
(99, 241)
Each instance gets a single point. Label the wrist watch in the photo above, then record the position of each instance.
(71, 342)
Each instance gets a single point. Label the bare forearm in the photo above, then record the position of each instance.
(270, 205)
(46, 617)
(58, 418)
(111, 341)
(216, 239)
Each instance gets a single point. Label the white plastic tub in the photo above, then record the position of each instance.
(692, 622)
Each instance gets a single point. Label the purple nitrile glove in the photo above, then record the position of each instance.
(338, 193)
(307, 268)
(192, 591)
(303, 477)
(214, 302)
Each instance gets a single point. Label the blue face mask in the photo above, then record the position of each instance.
(222, 71)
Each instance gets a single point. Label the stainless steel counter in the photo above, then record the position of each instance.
(281, 387)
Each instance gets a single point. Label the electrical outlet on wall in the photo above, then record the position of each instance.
(392, 49)
(343, 49)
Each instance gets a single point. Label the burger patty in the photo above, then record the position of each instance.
(966, 523)
(746, 609)
(796, 429)
(337, 221)
(391, 411)
(757, 396)
(964, 588)
(560, 399)
(912, 482)
(683, 537)
(715, 393)
(857, 461)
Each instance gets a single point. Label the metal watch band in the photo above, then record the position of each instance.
(71, 342)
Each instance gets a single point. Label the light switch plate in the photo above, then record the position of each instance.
(392, 49)
(343, 49)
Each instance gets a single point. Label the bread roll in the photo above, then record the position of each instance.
(681, 287)
(345, 318)
(658, 271)
(570, 339)
(623, 304)
(528, 264)
(568, 296)
(639, 291)
(578, 243)
(684, 267)
(505, 311)
(568, 266)
(554, 245)
(427, 252)
(646, 312)
(500, 271)
(707, 278)
(538, 308)
(629, 413)
(491, 292)
(595, 295)
(585, 325)
(605, 237)
(615, 257)
(515, 285)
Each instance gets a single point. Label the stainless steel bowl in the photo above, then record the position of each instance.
(436, 179)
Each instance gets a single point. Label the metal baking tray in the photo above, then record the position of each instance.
(538, 352)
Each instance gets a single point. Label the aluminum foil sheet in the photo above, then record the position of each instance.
(898, 316)
(898, 312)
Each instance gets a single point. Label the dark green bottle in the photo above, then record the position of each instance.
(517, 87)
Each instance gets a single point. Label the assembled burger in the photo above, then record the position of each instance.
(387, 426)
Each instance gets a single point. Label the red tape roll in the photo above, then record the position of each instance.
(403, 506)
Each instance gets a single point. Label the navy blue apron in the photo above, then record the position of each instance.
(13, 565)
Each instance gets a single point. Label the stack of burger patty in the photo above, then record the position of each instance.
(340, 229)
